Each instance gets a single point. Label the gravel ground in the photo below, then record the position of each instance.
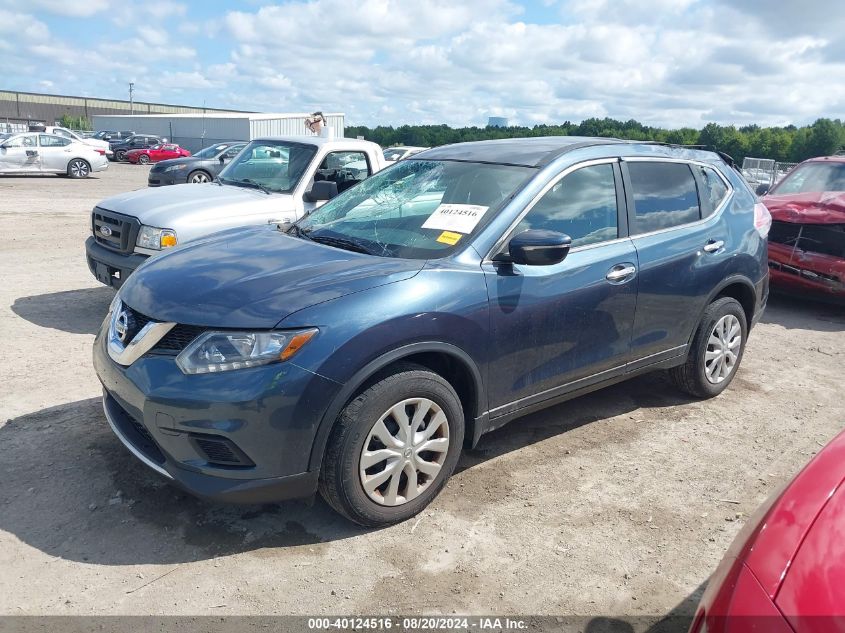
(618, 503)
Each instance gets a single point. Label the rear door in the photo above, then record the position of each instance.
(680, 247)
(55, 152)
(558, 328)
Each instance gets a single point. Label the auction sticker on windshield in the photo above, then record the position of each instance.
(461, 218)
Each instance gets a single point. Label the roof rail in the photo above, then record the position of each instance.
(708, 148)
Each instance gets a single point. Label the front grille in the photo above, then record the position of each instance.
(220, 451)
(122, 229)
(825, 239)
(177, 339)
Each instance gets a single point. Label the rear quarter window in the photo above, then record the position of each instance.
(712, 189)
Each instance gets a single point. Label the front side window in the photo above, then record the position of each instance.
(712, 189)
(813, 177)
(20, 141)
(49, 140)
(665, 195)
(581, 205)
(418, 209)
(272, 165)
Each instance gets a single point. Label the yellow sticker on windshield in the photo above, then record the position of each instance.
(447, 237)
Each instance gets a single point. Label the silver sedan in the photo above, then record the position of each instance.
(39, 153)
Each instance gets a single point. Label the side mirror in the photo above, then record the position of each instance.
(321, 190)
(537, 247)
(763, 189)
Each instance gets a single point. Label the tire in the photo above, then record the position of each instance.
(120, 155)
(716, 337)
(78, 168)
(199, 176)
(144, 159)
(341, 479)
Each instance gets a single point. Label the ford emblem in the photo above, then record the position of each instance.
(105, 230)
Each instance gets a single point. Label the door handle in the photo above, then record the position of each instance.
(620, 272)
(714, 245)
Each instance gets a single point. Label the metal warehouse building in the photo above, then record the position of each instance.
(19, 110)
(195, 131)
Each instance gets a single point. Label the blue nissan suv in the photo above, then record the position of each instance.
(357, 351)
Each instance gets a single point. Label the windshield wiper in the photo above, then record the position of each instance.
(341, 242)
(298, 232)
(252, 183)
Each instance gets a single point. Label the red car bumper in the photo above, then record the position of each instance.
(801, 271)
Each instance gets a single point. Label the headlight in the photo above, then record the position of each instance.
(176, 168)
(155, 238)
(224, 351)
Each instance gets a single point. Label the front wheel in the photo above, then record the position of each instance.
(120, 155)
(144, 159)
(199, 177)
(393, 448)
(78, 168)
(716, 351)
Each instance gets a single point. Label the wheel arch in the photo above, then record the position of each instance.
(738, 287)
(444, 359)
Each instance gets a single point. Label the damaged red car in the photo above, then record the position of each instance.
(807, 238)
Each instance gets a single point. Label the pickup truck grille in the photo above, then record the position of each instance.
(174, 341)
(120, 231)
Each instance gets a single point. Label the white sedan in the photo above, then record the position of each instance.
(39, 153)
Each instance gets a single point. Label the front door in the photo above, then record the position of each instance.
(20, 154)
(557, 328)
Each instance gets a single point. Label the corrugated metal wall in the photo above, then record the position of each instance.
(294, 125)
(195, 132)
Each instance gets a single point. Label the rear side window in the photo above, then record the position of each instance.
(48, 140)
(712, 189)
(665, 196)
(582, 205)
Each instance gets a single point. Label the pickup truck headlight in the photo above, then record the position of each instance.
(176, 168)
(224, 351)
(155, 238)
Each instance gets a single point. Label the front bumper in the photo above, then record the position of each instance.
(267, 415)
(163, 178)
(805, 272)
(109, 267)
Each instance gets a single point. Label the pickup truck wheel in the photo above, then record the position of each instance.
(198, 177)
(78, 168)
(144, 159)
(716, 351)
(393, 447)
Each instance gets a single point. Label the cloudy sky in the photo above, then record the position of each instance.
(663, 62)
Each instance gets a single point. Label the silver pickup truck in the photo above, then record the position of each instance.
(272, 180)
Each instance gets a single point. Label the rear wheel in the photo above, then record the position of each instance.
(717, 349)
(393, 447)
(144, 159)
(120, 155)
(78, 168)
(198, 177)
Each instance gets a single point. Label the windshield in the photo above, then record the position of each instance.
(271, 165)
(210, 152)
(417, 209)
(813, 177)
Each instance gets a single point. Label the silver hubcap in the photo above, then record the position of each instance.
(78, 168)
(404, 451)
(722, 349)
(144, 160)
(199, 178)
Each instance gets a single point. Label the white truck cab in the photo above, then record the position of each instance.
(272, 180)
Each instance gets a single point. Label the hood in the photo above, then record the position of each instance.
(253, 278)
(193, 205)
(826, 207)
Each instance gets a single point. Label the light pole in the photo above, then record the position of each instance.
(131, 104)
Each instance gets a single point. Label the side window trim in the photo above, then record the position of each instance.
(509, 232)
(626, 177)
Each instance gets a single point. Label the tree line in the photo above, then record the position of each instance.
(783, 144)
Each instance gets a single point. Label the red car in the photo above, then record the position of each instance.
(807, 238)
(786, 569)
(156, 153)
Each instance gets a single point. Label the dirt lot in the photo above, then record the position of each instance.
(616, 503)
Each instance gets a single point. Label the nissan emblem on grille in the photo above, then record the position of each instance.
(105, 230)
(121, 327)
